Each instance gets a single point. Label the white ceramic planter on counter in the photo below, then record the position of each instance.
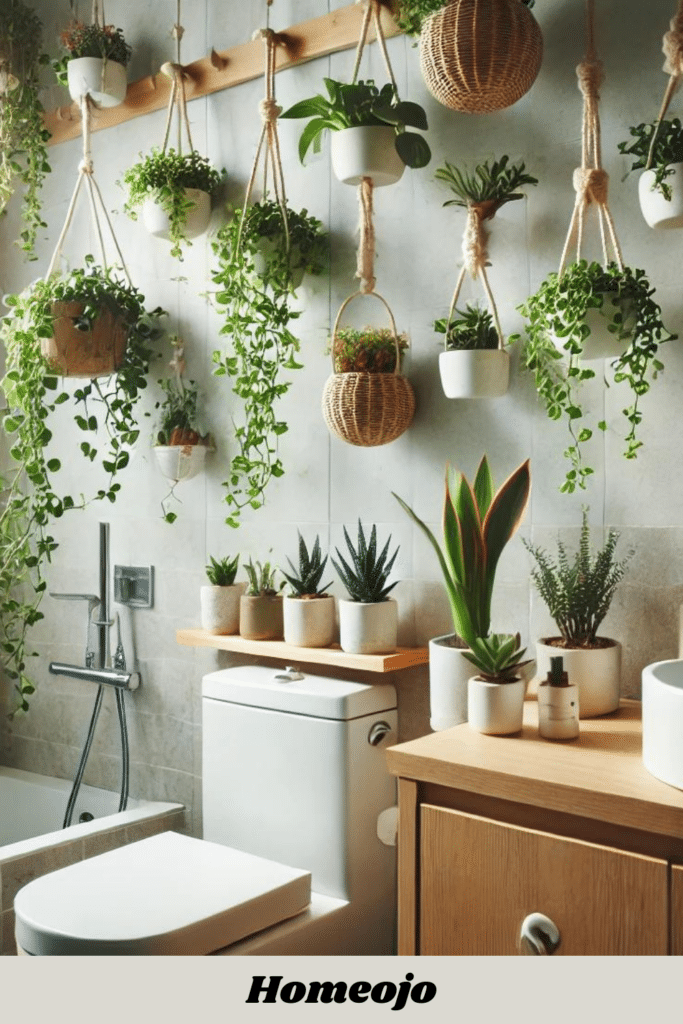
(309, 622)
(368, 628)
(157, 221)
(220, 608)
(495, 708)
(448, 676)
(105, 81)
(366, 152)
(662, 699)
(474, 373)
(596, 671)
(658, 211)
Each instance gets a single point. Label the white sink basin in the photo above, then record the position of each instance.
(663, 721)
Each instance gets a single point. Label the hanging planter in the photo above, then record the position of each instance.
(194, 206)
(367, 151)
(95, 61)
(87, 345)
(479, 56)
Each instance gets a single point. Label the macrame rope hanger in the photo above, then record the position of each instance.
(475, 253)
(177, 101)
(672, 48)
(590, 180)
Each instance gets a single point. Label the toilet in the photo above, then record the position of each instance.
(298, 848)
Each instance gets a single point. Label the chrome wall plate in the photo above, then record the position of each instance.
(134, 585)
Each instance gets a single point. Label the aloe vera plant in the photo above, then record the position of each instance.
(477, 524)
(498, 657)
(366, 580)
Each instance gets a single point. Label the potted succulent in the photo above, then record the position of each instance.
(23, 136)
(657, 150)
(576, 311)
(368, 620)
(495, 696)
(261, 606)
(578, 592)
(258, 314)
(308, 610)
(472, 365)
(368, 125)
(174, 191)
(477, 524)
(220, 599)
(94, 63)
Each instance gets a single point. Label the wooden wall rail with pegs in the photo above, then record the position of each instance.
(319, 37)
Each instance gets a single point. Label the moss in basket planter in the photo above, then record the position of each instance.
(104, 412)
(367, 350)
(163, 177)
(472, 328)
(80, 40)
(668, 150)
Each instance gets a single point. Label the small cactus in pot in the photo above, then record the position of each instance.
(308, 610)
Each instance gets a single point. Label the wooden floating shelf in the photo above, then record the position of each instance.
(319, 37)
(404, 657)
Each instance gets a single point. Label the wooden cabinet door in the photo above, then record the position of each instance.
(479, 879)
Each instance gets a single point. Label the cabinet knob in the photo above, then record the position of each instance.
(538, 936)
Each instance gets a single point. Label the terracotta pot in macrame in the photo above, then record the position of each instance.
(94, 353)
(480, 55)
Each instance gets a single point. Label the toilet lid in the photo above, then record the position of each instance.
(169, 895)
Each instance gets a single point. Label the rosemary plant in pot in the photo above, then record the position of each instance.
(94, 63)
(477, 524)
(308, 610)
(261, 606)
(657, 151)
(495, 696)
(368, 620)
(578, 592)
(220, 598)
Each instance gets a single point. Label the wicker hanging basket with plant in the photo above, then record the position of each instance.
(480, 55)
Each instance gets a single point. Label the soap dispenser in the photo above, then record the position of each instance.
(558, 705)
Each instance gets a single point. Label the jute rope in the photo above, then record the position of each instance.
(476, 260)
(672, 48)
(372, 13)
(86, 176)
(97, 15)
(590, 180)
(177, 102)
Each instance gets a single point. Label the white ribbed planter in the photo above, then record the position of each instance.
(157, 222)
(448, 675)
(366, 152)
(180, 461)
(368, 628)
(474, 373)
(309, 622)
(220, 607)
(495, 708)
(104, 81)
(658, 211)
(601, 342)
(596, 672)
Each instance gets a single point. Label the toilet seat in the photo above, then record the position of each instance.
(169, 895)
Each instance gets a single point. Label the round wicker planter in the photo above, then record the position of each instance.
(480, 55)
(94, 353)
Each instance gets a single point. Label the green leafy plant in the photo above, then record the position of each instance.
(498, 657)
(278, 253)
(477, 524)
(368, 350)
(104, 410)
(366, 578)
(164, 177)
(221, 572)
(258, 315)
(558, 310)
(80, 40)
(362, 104)
(23, 136)
(578, 591)
(412, 14)
(473, 329)
(178, 418)
(261, 579)
(489, 185)
(305, 581)
(667, 150)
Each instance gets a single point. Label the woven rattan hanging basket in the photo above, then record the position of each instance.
(368, 409)
(480, 55)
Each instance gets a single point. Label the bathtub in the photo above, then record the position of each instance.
(32, 841)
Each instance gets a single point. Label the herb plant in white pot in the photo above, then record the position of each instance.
(578, 592)
(368, 620)
(308, 611)
(657, 151)
(477, 524)
(495, 695)
(220, 599)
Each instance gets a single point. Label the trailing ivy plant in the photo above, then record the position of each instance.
(558, 311)
(104, 411)
(163, 177)
(667, 150)
(23, 137)
(80, 40)
(258, 314)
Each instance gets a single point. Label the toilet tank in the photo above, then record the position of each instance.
(289, 774)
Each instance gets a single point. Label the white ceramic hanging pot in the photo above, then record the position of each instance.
(368, 628)
(104, 81)
(495, 708)
(596, 671)
(157, 221)
(266, 247)
(220, 608)
(602, 343)
(448, 675)
(366, 152)
(474, 373)
(180, 461)
(658, 211)
(309, 622)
